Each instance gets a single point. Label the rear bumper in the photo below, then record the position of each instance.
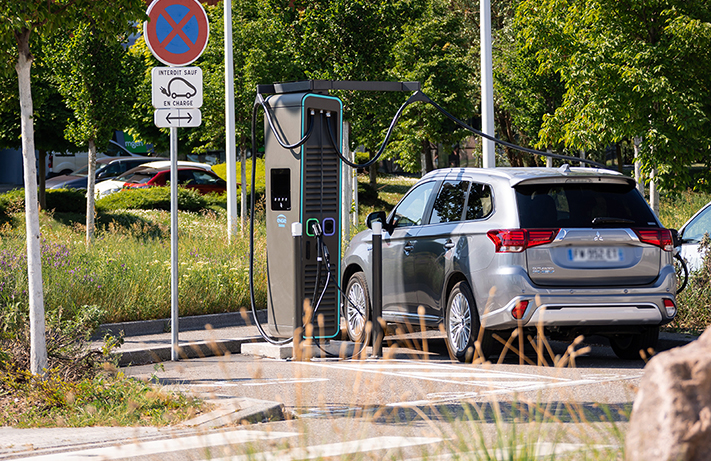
(576, 307)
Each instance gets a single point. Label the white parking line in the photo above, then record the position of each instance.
(484, 381)
(336, 449)
(154, 447)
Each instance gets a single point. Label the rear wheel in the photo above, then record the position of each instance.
(462, 325)
(628, 346)
(357, 307)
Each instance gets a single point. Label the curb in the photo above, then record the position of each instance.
(197, 322)
(192, 350)
(236, 411)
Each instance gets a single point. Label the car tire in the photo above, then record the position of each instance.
(628, 347)
(357, 310)
(462, 326)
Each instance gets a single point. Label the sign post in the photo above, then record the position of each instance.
(176, 33)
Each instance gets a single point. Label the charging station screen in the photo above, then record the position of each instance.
(281, 189)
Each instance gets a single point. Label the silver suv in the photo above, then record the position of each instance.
(484, 251)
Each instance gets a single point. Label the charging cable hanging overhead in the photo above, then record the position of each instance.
(422, 97)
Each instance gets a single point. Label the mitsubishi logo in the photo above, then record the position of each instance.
(597, 238)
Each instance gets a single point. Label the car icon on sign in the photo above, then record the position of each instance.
(178, 87)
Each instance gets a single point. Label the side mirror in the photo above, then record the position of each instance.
(676, 240)
(376, 216)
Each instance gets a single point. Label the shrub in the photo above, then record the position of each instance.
(260, 183)
(694, 303)
(152, 198)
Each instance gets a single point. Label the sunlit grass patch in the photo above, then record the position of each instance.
(106, 400)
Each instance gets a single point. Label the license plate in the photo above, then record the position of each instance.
(603, 254)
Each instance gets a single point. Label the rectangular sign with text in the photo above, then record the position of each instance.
(177, 87)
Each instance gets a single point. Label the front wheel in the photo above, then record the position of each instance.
(629, 346)
(462, 325)
(357, 307)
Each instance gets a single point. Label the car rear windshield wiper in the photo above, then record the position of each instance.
(602, 220)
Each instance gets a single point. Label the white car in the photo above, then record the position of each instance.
(111, 186)
(690, 236)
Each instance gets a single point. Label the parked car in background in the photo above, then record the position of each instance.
(690, 236)
(68, 162)
(572, 251)
(106, 168)
(114, 185)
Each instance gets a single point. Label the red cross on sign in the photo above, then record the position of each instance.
(176, 31)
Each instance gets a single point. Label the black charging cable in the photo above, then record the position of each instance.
(419, 96)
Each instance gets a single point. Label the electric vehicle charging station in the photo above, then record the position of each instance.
(303, 185)
(303, 201)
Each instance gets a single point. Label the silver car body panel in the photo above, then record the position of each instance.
(561, 292)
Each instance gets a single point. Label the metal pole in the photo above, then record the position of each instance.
(174, 243)
(487, 85)
(230, 143)
(377, 289)
(297, 233)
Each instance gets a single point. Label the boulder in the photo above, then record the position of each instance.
(671, 416)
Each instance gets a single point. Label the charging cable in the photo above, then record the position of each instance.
(419, 96)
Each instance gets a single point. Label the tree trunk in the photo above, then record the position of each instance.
(42, 175)
(38, 346)
(90, 188)
(620, 161)
(429, 161)
(373, 170)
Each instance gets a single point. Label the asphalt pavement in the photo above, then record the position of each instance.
(150, 342)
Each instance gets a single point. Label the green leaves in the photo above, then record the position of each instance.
(629, 69)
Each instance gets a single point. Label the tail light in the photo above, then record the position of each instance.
(51, 160)
(670, 307)
(519, 310)
(517, 240)
(658, 237)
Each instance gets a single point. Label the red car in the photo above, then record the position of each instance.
(193, 178)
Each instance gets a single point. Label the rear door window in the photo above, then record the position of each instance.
(479, 203)
(449, 204)
(582, 205)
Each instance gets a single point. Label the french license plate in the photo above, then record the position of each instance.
(596, 254)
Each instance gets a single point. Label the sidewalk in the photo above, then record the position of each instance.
(199, 336)
(210, 335)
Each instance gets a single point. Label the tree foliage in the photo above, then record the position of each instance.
(629, 69)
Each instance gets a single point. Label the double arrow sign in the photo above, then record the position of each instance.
(177, 96)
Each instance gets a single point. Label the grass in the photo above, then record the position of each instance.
(104, 400)
(127, 270)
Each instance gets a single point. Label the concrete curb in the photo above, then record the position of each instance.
(192, 350)
(197, 322)
(237, 411)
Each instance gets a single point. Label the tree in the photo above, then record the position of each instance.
(19, 20)
(95, 76)
(50, 113)
(438, 49)
(346, 40)
(630, 69)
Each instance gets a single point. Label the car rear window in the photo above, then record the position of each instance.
(582, 205)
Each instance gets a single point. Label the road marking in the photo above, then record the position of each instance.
(260, 382)
(154, 447)
(484, 381)
(335, 449)
(539, 450)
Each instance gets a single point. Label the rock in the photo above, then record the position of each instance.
(671, 416)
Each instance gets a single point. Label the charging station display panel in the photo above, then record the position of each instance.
(280, 189)
(304, 185)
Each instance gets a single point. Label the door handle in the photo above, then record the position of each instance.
(409, 246)
(449, 245)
